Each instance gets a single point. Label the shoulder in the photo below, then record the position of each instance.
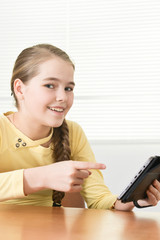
(5, 128)
(75, 130)
(4, 121)
(80, 146)
(73, 125)
(78, 138)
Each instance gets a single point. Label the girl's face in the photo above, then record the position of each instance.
(48, 96)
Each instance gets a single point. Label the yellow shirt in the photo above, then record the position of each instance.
(18, 152)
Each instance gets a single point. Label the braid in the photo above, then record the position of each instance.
(61, 152)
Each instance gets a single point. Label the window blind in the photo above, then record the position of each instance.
(115, 46)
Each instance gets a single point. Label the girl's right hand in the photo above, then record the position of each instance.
(66, 176)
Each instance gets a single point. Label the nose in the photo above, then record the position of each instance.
(61, 95)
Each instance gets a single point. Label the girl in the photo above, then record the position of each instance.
(42, 155)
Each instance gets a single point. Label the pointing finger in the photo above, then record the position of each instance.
(88, 165)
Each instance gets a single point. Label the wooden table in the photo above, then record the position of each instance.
(37, 223)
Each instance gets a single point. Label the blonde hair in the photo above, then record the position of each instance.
(26, 67)
(27, 63)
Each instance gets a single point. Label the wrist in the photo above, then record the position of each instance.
(123, 206)
(32, 180)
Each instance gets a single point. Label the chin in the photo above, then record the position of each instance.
(57, 124)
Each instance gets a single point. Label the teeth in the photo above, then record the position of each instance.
(56, 109)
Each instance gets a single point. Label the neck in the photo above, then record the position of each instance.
(28, 127)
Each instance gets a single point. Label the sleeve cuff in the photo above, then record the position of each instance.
(11, 185)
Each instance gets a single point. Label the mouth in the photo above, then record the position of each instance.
(59, 110)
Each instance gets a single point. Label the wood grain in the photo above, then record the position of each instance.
(32, 222)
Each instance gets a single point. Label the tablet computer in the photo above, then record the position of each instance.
(137, 187)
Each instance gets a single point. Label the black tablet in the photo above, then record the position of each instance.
(147, 174)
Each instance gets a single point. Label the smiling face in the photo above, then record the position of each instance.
(46, 98)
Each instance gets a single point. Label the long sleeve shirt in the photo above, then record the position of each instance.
(18, 152)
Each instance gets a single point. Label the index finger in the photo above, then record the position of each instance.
(88, 165)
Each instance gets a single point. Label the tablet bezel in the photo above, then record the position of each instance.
(146, 175)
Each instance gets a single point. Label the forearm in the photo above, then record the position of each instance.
(33, 180)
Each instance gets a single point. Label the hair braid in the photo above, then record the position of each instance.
(61, 152)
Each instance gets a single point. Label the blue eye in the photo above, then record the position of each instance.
(49, 86)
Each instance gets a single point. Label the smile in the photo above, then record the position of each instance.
(56, 109)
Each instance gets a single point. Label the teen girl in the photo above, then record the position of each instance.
(43, 156)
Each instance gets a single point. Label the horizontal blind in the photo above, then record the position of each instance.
(116, 49)
(25, 23)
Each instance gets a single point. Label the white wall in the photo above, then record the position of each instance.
(123, 161)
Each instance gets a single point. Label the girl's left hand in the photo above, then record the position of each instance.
(153, 195)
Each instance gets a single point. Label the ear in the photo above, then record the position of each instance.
(19, 89)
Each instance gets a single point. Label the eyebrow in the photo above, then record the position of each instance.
(56, 79)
